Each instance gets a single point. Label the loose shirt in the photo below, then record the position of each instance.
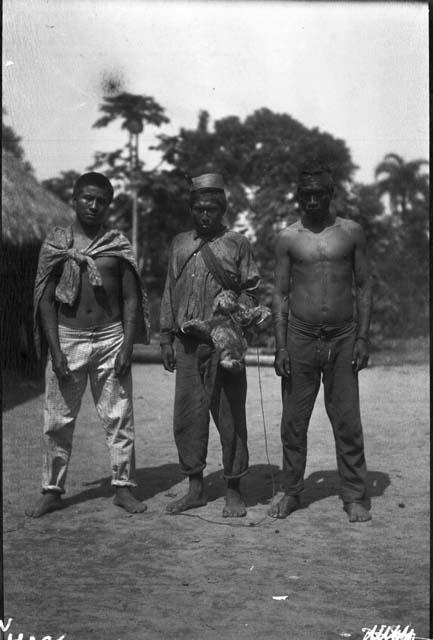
(190, 288)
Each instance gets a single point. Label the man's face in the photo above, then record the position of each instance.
(314, 200)
(207, 213)
(91, 204)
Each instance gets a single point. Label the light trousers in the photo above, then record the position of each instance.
(91, 354)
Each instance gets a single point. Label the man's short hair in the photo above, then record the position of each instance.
(95, 179)
(315, 173)
(217, 195)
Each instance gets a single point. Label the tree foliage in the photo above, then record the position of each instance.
(260, 158)
(130, 107)
(12, 142)
(403, 182)
(403, 266)
(62, 185)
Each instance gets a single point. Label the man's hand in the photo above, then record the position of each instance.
(60, 365)
(360, 355)
(168, 357)
(122, 364)
(282, 363)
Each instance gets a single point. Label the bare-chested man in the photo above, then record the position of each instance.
(90, 307)
(320, 260)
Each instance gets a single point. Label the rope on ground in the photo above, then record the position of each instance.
(228, 524)
(264, 423)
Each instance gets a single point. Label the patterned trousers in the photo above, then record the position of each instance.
(91, 354)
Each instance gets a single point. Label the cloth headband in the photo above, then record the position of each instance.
(207, 181)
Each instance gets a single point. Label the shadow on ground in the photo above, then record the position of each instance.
(323, 484)
(263, 481)
(259, 486)
(150, 481)
(18, 389)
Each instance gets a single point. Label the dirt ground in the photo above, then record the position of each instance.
(93, 572)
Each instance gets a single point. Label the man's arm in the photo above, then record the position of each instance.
(280, 306)
(248, 273)
(50, 327)
(129, 292)
(363, 300)
(166, 320)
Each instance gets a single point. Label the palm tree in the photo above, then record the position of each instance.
(403, 181)
(133, 110)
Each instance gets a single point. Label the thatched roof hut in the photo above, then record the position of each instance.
(28, 212)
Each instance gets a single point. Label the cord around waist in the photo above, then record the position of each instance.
(324, 331)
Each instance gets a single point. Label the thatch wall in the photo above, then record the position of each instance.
(28, 212)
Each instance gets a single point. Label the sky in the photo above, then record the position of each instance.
(358, 71)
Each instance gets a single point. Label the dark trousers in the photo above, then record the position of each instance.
(327, 352)
(203, 387)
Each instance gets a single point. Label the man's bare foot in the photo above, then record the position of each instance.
(124, 498)
(194, 498)
(188, 501)
(357, 512)
(234, 506)
(284, 507)
(49, 501)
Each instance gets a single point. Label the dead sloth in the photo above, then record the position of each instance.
(225, 328)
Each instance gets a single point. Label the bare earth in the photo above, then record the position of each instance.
(91, 571)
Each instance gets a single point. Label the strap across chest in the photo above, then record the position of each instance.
(214, 266)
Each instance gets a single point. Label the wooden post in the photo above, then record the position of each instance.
(134, 194)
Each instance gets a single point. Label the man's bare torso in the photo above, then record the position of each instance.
(321, 271)
(95, 306)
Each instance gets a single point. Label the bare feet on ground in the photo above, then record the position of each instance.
(49, 501)
(194, 498)
(356, 512)
(190, 500)
(284, 507)
(234, 506)
(124, 498)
